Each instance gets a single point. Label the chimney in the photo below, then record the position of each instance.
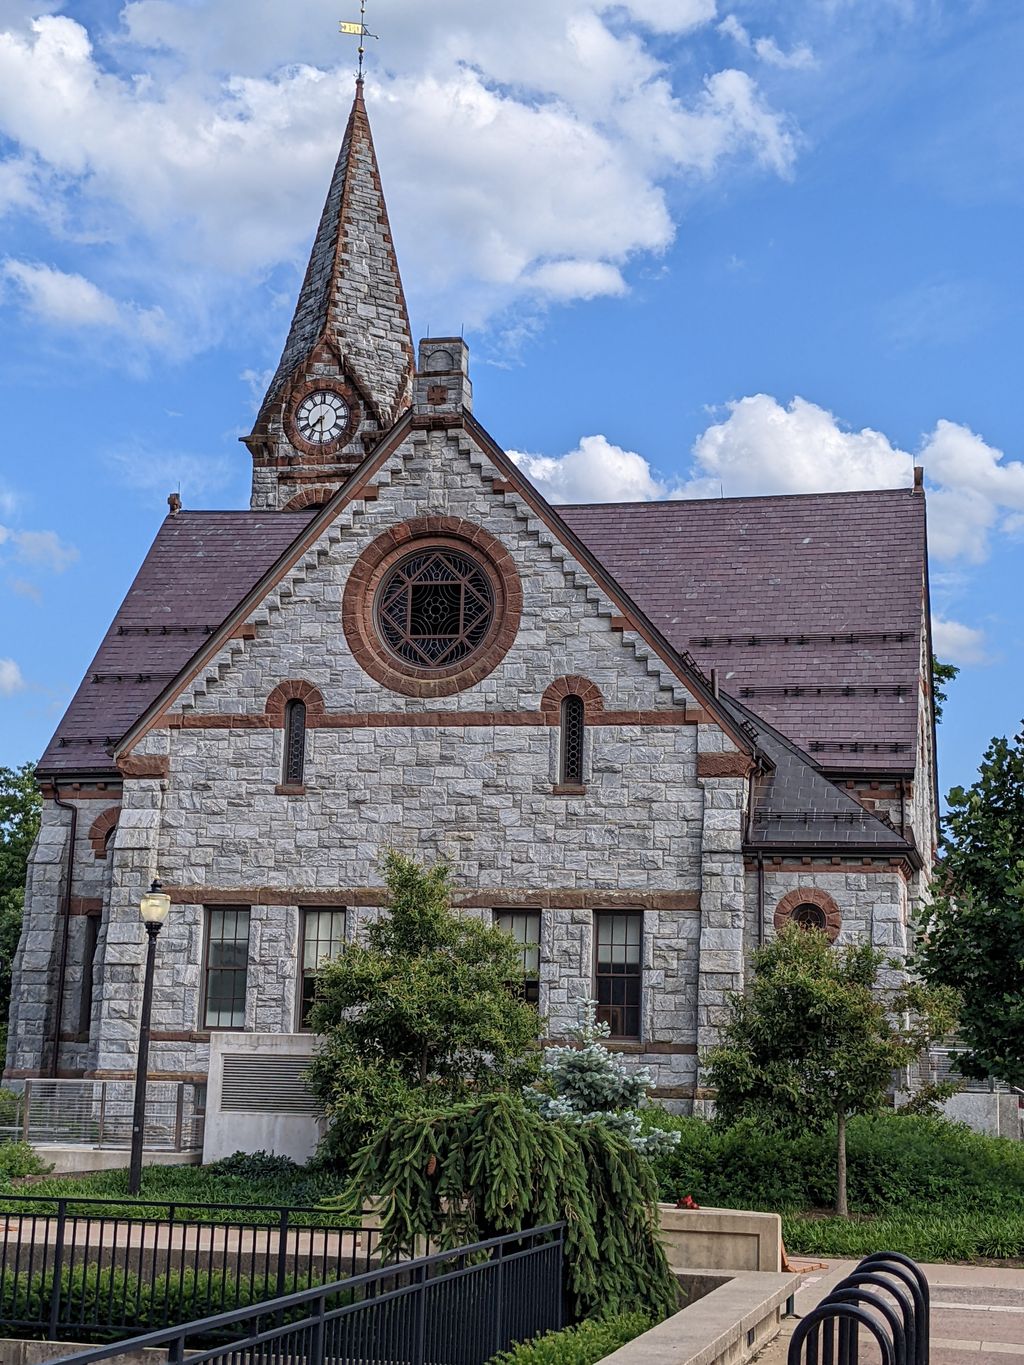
(918, 478)
(174, 503)
(442, 389)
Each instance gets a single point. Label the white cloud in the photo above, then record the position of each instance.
(11, 679)
(669, 16)
(40, 549)
(761, 447)
(531, 148)
(766, 49)
(596, 471)
(958, 644)
(69, 301)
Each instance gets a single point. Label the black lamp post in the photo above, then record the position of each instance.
(153, 910)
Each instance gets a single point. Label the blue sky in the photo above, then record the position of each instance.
(759, 247)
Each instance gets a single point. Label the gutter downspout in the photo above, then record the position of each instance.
(65, 928)
(760, 900)
(903, 807)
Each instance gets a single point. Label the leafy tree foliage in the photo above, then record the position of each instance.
(972, 938)
(818, 1036)
(474, 1170)
(586, 1083)
(941, 675)
(428, 1011)
(20, 805)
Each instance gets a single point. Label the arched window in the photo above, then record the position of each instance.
(572, 741)
(294, 743)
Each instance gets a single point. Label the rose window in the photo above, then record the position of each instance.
(435, 608)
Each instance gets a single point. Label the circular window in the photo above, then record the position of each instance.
(811, 908)
(432, 606)
(809, 917)
(435, 608)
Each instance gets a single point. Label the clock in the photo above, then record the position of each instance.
(321, 417)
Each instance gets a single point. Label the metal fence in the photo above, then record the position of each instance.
(99, 1114)
(453, 1308)
(75, 1266)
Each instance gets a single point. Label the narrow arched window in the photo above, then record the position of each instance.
(572, 741)
(294, 743)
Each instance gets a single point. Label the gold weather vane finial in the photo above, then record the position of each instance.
(361, 32)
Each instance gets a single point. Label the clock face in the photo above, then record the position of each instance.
(321, 417)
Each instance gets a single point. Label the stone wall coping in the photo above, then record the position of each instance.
(715, 1327)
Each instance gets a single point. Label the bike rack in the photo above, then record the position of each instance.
(888, 1296)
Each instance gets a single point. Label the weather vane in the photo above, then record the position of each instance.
(361, 32)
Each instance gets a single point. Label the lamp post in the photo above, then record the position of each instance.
(153, 910)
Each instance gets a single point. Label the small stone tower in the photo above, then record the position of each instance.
(346, 372)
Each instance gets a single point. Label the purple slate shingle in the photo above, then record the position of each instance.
(198, 569)
(836, 564)
(723, 579)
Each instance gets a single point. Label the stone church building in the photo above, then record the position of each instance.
(646, 735)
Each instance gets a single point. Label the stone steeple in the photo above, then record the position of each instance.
(349, 347)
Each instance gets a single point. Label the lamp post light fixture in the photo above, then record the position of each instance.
(153, 910)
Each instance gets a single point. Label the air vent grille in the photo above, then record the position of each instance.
(266, 1084)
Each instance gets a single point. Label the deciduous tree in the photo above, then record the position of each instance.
(818, 1037)
(20, 805)
(972, 935)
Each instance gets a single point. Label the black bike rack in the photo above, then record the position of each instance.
(887, 1296)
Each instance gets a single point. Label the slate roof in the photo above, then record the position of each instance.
(836, 565)
(810, 606)
(197, 570)
(796, 806)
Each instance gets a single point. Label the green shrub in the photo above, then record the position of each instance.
(275, 1186)
(898, 1164)
(583, 1345)
(105, 1303)
(260, 1168)
(18, 1159)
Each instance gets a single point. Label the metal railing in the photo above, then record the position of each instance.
(888, 1298)
(99, 1114)
(74, 1266)
(459, 1307)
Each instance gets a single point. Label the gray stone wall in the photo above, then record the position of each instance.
(482, 795)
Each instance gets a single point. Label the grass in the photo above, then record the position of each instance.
(254, 1179)
(932, 1189)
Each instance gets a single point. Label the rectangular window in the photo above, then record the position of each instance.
(227, 968)
(92, 931)
(323, 937)
(617, 969)
(524, 928)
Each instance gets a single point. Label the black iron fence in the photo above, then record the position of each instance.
(887, 1299)
(453, 1308)
(80, 1267)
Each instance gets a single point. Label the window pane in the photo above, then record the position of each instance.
(227, 965)
(618, 970)
(323, 937)
(523, 926)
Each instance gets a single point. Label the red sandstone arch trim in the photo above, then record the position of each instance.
(572, 685)
(810, 895)
(358, 603)
(310, 497)
(101, 830)
(294, 690)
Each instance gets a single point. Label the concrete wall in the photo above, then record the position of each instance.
(721, 1239)
(264, 1127)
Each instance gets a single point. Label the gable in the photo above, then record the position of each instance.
(447, 486)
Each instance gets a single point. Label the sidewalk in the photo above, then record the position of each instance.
(977, 1313)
